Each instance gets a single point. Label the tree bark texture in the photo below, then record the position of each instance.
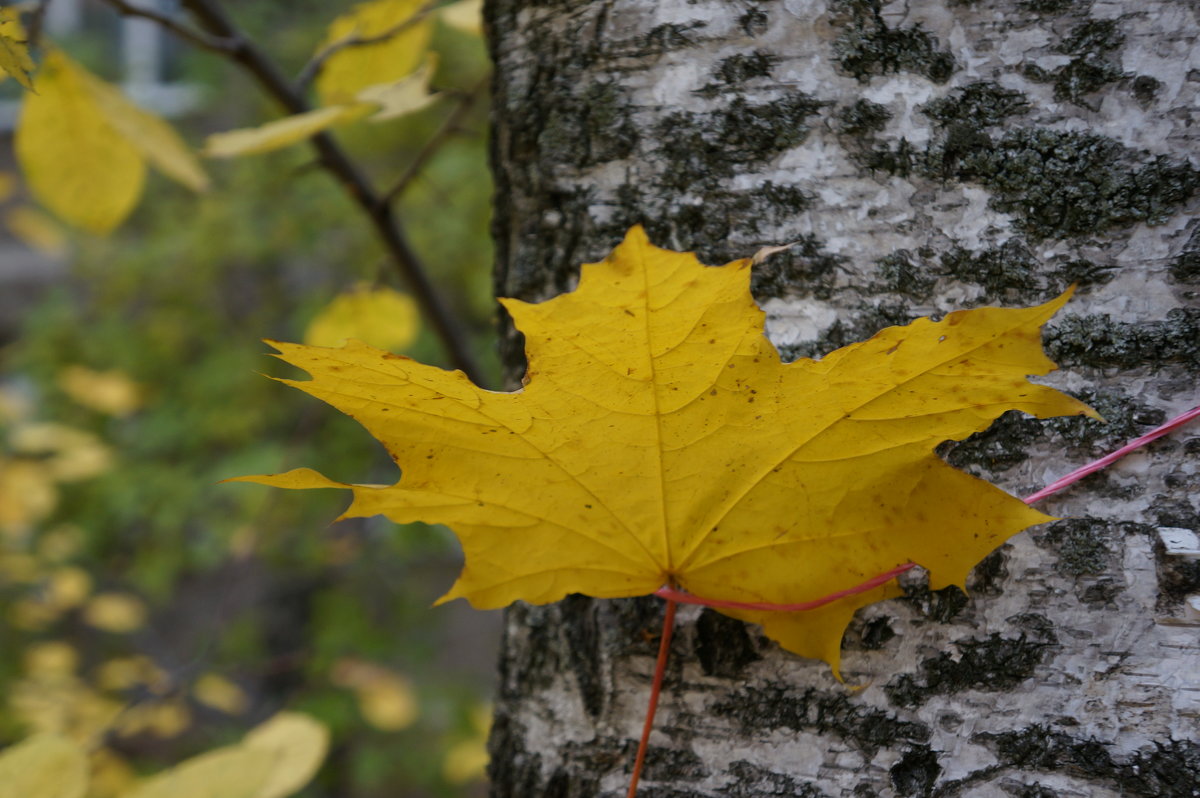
(923, 156)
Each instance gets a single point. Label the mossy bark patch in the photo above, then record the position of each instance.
(868, 47)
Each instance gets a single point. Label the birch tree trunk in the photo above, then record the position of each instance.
(924, 156)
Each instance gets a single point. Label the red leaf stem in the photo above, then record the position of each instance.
(670, 594)
(660, 668)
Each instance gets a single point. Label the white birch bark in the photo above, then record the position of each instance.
(1059, 152)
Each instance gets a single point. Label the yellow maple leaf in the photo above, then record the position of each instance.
(659, 439)
(83, 147)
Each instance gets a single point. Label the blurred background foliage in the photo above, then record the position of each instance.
(149, 610)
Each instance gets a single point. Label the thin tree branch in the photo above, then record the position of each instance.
(447, 129)
(216, 24)
(33, 26)
(199, 38)
(308, 73)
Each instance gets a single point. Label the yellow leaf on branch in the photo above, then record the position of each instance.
(282, 133)
(660, 440)
(399, 98)
(403, 37)
(466, 15)
(83, 147)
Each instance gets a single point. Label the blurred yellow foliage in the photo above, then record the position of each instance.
(45, 766)
(385, 698)
(119, 613)
(381, 317)
(214, 690)
(67, 453)
(110, 392)
(93, 181)
(37, 230)
(27, 495)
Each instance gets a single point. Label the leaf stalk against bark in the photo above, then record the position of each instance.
(660, 668)
(219, 33)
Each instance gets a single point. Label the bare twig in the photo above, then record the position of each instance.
(211, 16)
(33, 25)
(308, 73)
(196, 37)
(447, 129)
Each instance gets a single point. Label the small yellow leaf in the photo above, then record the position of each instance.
(385, 698)
(402, 97)
(68, 587)
(214, 690)
(297, 745)
(45, 766)
(126, 673)
(148, 133)
(37, 231)
(381, 317)
(112, 776)
(466, 15)
(68, 454)
(119, 613)
(282, 132)
(75, 161)
(161, 719)
(231, 772)
(110, 392)
(52, 658)
(60, 543)
(465, 761)
(27, 494)
(351, 69)
(8, 186)
(14, 50)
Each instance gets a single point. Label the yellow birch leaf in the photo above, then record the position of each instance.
(8, 186)
(466, 15)
(381, 317)
(282, 132)
(231, 772)
(659, 439)
(14, 51)
(297, 744)
(51, 658)
(148, 133)
(402, 97)
(75, 161)
(110, 392)
(214, 690)
(465, 761)
(36, 230)
(44, 766)
(385, 698)
(68, 587)
(119, 613)
(352, 68)
(27, 494)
